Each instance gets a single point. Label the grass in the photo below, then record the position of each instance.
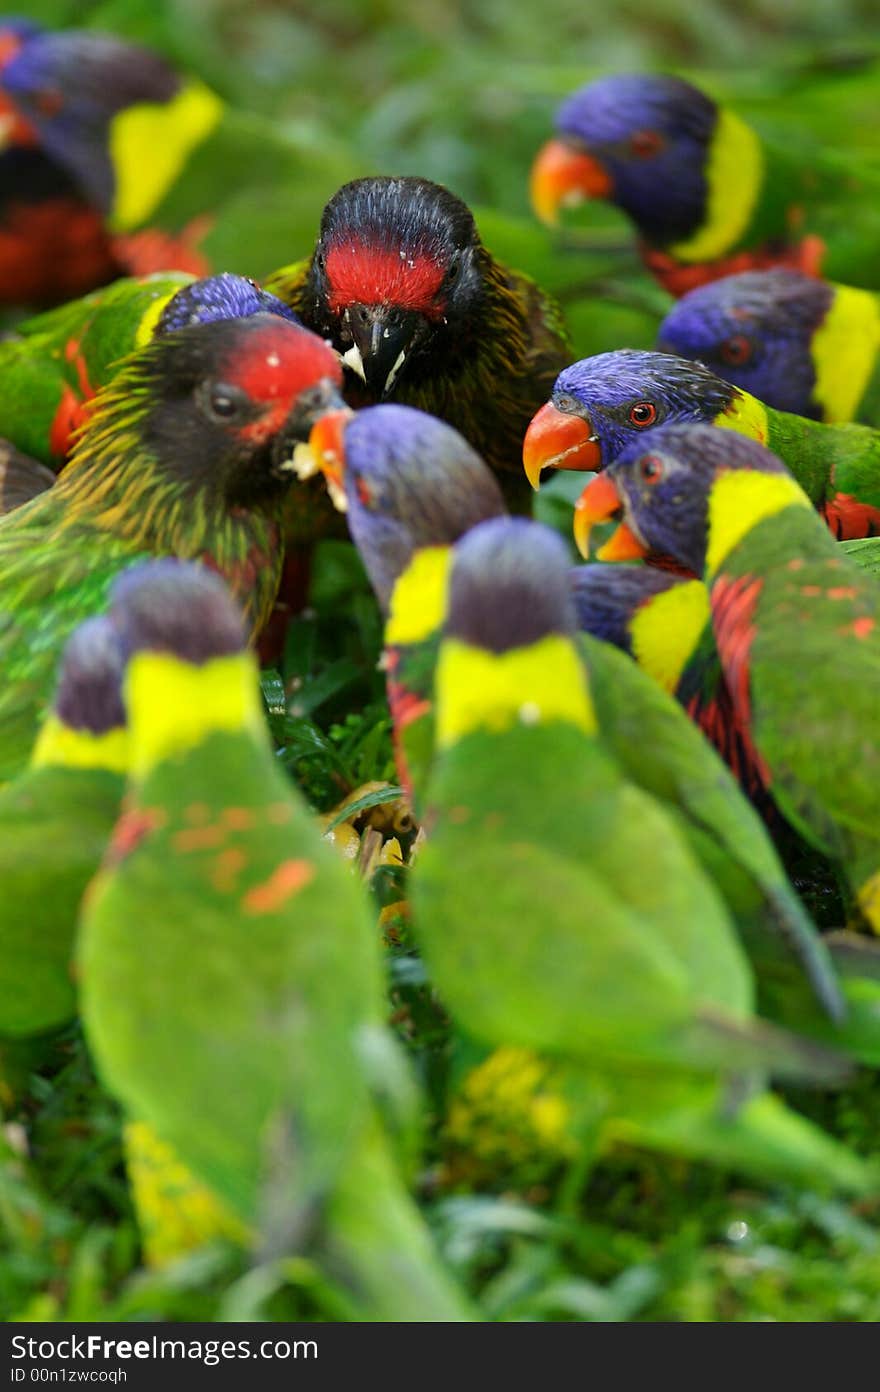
(464, 94)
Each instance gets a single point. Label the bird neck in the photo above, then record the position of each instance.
(738, 500)
(150, 142)
(734, 175)
(419, 598)
(844, 350)
(61, 746)
(746, 415)
(173, 706)
(478, 690)
(665, 631)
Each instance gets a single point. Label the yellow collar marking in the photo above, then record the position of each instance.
(666, 630)
(150, 318)
(480, 690)
(747, 415)
(734, 175)
(149, 145)
(418, 602)
(60, 746)
(738, 500)
(844, 350)
(173, 705)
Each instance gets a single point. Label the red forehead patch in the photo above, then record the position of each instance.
(278, 361)
(363, 273)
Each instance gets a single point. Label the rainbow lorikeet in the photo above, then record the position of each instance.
(53, 364)
(784, 601)
(413, 488)
(186, 453)
(796, 343)
(536, 928)
(601, 404)
(420, 310)
(55, 821)
(707, 194)
(119, 165)
(253, 1043)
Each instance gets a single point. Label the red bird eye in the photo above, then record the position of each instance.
(651, 468)
(645, 143)
(736, 350)
(643, 414)
(364, 492)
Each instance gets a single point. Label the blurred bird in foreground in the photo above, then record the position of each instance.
(635, 983)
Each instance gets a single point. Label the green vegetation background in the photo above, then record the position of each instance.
(464, 94)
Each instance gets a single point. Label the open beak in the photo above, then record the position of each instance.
(599, 502)
(561, 176)
(555, 440)
(383, 338)
(327, 450)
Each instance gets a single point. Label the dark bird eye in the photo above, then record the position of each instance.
(452, 273)
(642, 414)
(651, 468)
(319, 260)
(223, 402)
(736, 350)
(645, 143)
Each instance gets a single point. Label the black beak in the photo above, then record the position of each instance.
(383, 338)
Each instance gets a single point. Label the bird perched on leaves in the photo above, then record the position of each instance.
(187, 453)
(635, 982)
(119, 165)
(784, 600)
(53, 364)
(269, 1010)
(601, 404)
(796, 343)
(420, 310)
(413, 489)
(55, 822)
(707, 194)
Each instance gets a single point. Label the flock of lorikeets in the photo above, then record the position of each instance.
(620, 768)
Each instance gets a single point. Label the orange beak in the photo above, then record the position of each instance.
(599, 502)
(327, 446)
(555, 440)
(562, 176)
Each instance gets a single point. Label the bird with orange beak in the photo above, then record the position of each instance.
(707, 194)
(602, 404)
(785, 601)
